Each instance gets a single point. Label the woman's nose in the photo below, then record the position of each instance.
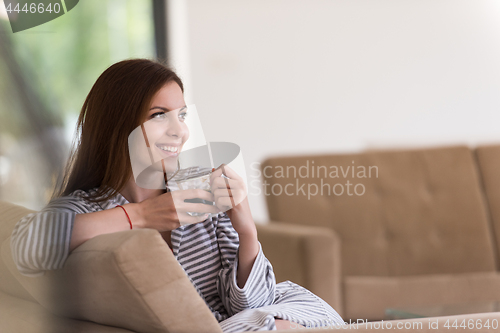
(176, 128)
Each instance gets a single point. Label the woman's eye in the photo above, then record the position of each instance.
(183, 115)
(159, 115)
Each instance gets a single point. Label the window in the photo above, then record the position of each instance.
(45, 74)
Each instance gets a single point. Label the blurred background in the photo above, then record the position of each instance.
(277, 77)
(45, 74)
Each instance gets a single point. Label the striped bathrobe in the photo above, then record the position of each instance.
(208, 253)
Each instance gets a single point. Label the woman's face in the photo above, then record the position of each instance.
(164, 125)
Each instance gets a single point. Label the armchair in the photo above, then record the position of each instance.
(127, 282)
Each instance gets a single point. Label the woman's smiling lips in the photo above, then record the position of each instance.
(169, 149)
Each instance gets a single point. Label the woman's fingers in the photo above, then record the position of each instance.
(197, 208)
(216, 173)
(194, 201)
(192, 194)
(225, 203)
(228, 191)
(226, 194)
(223, 169)
(229, 172)
(226, 183)
(185, 218)
(238, 194)
(228, 198)
(168, 211)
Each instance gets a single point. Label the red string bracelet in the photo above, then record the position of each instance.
(129, 221)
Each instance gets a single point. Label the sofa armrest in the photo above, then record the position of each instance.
(128, 279)
(308, 256)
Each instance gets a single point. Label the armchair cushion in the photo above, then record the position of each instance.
(128, 279)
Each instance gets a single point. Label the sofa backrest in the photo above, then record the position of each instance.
(398, 213)
(488, 160)
(9, 215)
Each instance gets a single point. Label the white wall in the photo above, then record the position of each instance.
(327, 76)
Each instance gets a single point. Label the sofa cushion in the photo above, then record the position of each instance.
(369, 297)
(488, 158)
(422, 211)
(9, 215)
(128, 279)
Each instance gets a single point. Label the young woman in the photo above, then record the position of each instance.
(219, 252)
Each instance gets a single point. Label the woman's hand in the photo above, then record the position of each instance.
(230, 194)
(167, 211)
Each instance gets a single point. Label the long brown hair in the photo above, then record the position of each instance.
(117, 103)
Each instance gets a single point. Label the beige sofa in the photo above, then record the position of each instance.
(425, 232)
(130, 282)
